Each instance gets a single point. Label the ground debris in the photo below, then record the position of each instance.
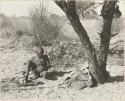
(78, 79)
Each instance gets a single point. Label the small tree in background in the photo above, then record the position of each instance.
(45, 30)
(4, 21)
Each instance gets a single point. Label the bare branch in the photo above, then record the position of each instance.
(91, 9)
(112, 35)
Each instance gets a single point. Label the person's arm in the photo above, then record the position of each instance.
(48, 61)
(27, 71)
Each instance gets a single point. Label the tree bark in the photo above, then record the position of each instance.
(105, 36)
(104, 48)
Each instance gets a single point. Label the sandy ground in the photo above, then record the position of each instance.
(12, 63)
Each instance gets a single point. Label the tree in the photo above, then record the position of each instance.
(97, 63)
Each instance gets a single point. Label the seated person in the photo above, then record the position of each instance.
(38, 64)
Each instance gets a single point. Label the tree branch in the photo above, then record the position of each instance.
(112, 35)
(91, 9)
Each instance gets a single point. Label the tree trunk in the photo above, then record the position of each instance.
(107, 14)
(104, 47)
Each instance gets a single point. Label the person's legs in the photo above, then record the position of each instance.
(27, 73)
(36, 74)
(43, 74)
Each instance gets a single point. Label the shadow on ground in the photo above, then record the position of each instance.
(55, 74)
(116, 79)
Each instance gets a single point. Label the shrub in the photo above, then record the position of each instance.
(4, 21)
(66, 54)
(44, 29)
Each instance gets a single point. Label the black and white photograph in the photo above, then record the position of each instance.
(62, 50)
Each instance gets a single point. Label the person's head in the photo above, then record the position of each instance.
(39, 51)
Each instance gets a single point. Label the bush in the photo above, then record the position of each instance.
(44, 29)
(4, 21)
(65, 54)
